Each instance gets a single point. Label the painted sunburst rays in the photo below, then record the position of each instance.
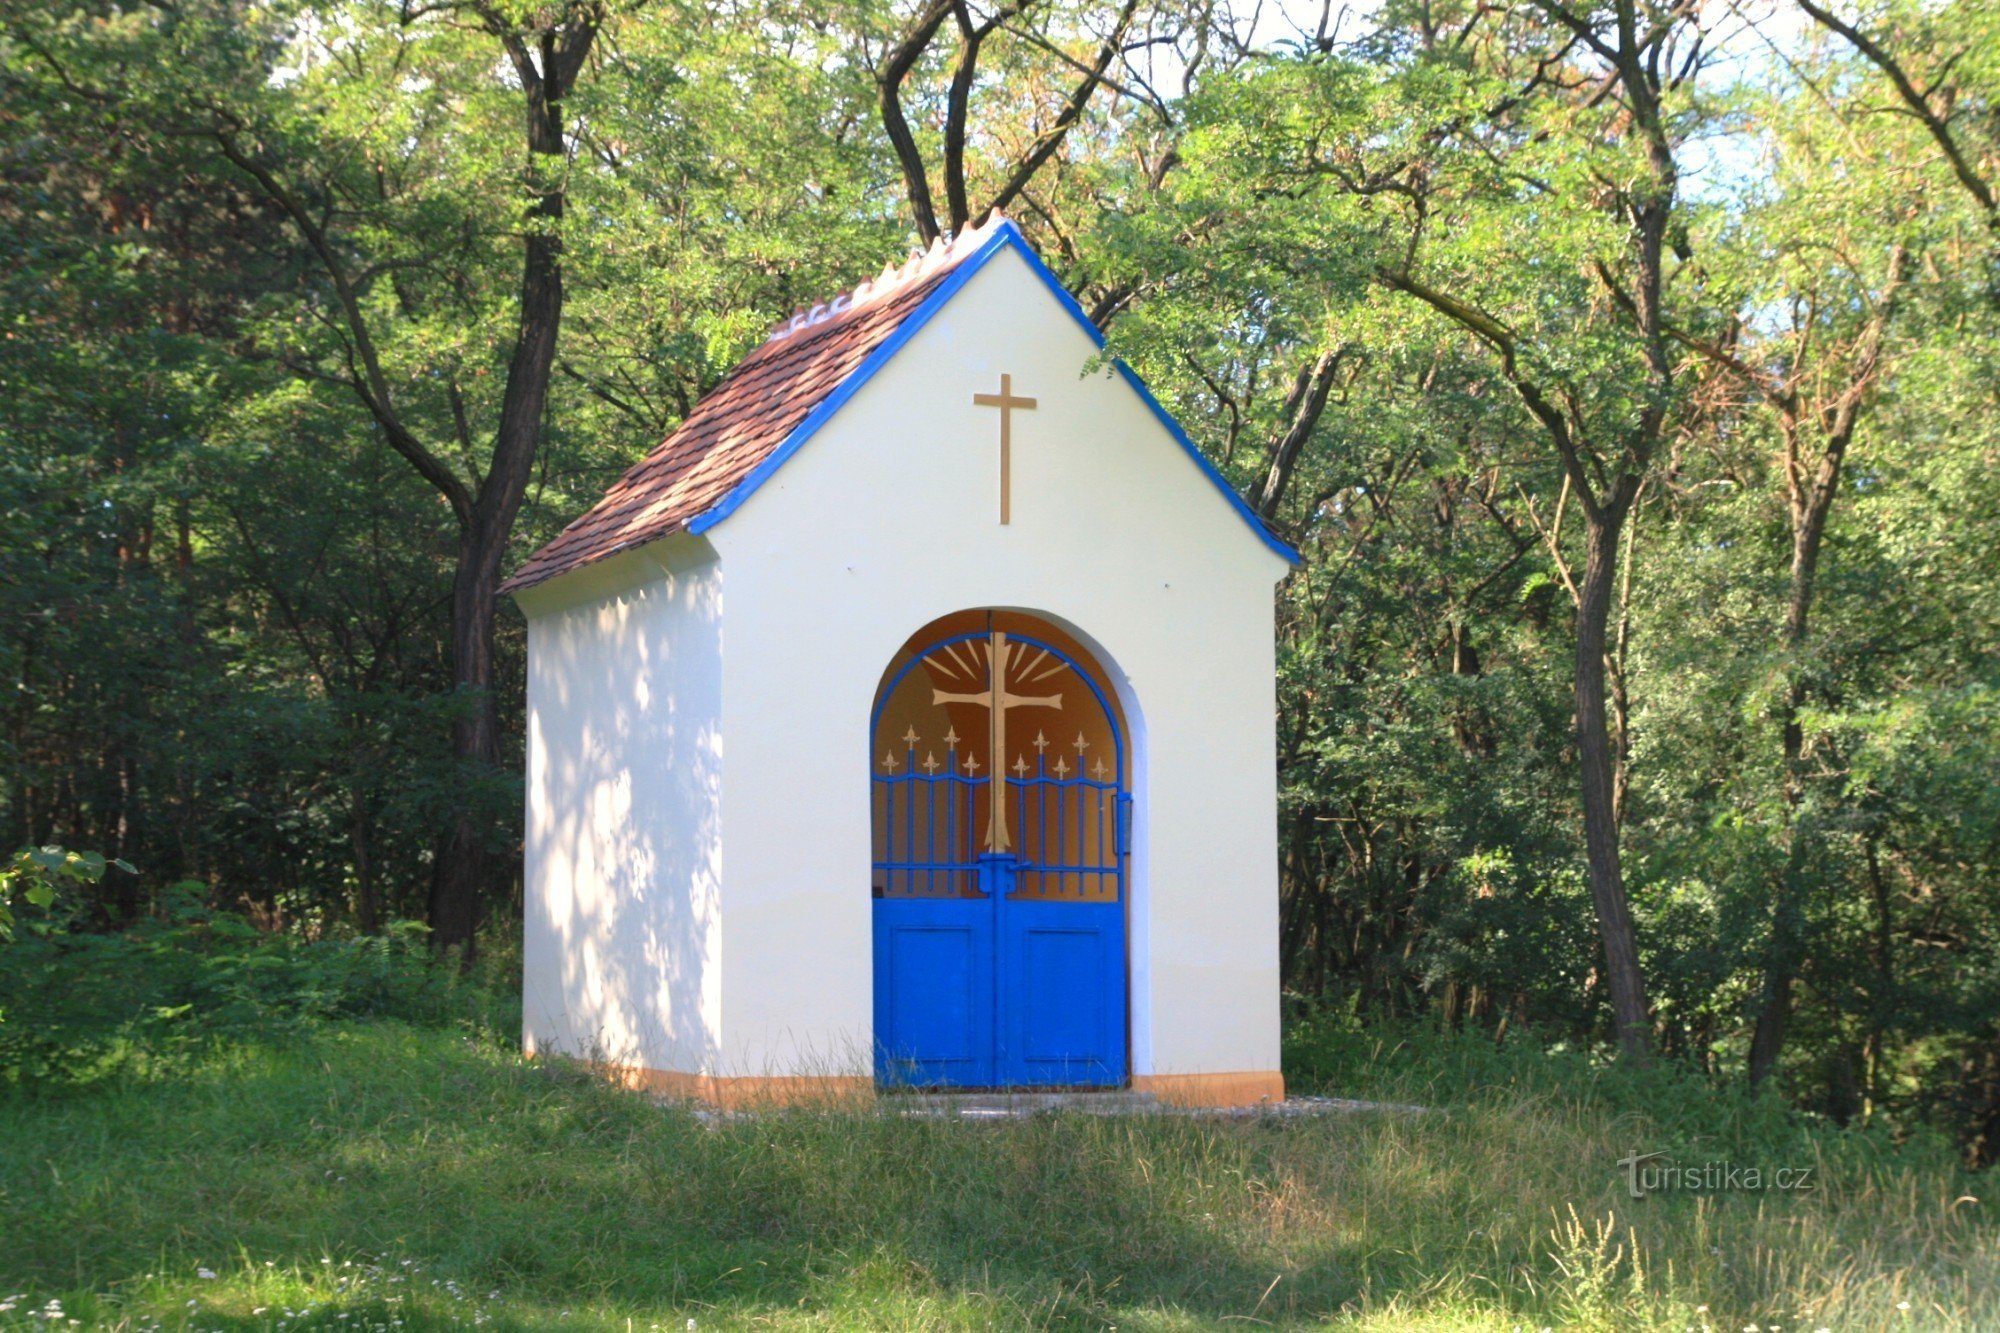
(999, 685)
(1052, 801)
(960, 667)
(940, 721)
(962, 676)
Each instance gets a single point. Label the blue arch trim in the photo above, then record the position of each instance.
(1006, 236)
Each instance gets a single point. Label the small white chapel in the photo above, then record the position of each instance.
(905, 720)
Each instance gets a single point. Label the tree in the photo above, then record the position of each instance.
(1809, 280)
(547, 50)
(1579, 113)
(398, 225)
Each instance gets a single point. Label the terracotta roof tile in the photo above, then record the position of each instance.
(742, 421)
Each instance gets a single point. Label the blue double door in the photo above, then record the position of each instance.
(997, 988)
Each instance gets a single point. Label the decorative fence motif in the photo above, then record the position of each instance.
(1065, 814)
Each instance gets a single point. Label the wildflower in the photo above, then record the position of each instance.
(205, 1274)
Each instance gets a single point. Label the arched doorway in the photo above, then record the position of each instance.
(999, 771)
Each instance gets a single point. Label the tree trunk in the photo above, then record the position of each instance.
(463, 868)
(466, 866)
(1810, 505)
(1595, 760)
(367, 901)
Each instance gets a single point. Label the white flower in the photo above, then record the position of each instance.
(206, 1274)
(1902, 1305)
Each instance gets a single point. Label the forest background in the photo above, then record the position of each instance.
(1626, 374)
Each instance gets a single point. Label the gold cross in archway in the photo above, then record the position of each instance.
(1006, 400)
(996, 699)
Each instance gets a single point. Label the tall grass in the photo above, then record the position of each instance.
(377, 1172)
(383, 1172)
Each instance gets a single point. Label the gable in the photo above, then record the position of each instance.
(779, 396)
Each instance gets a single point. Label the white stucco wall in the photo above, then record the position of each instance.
(623, 837)
(887, 519)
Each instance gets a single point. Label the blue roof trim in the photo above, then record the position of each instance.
(1006, 236)
(860, 375)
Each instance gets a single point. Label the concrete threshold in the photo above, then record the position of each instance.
(1018, 1105)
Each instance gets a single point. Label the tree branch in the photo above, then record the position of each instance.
(1052, 138)
(371, 386)
(1918, 103)
(900, 59)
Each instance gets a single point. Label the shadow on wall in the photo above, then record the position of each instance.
(622, 919)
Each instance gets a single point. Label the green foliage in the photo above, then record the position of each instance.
(186, 981)
(223, 594)
(36, 875)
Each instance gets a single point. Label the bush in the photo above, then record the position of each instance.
(82, 1007)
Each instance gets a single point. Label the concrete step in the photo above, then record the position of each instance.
(1014, 1105)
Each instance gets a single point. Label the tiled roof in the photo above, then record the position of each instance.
(741, 421)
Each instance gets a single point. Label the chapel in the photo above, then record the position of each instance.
(905, 719)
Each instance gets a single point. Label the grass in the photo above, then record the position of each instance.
(376, 1174)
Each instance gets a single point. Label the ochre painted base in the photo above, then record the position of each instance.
(736, 1094)
(1252, 1088)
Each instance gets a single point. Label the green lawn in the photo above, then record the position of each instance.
(373, 1174)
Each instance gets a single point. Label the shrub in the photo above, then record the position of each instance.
(81, 1007)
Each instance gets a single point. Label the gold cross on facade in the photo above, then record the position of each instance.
(996, 699)
(1006, 400)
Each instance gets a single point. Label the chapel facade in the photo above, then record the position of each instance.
(906, 720)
